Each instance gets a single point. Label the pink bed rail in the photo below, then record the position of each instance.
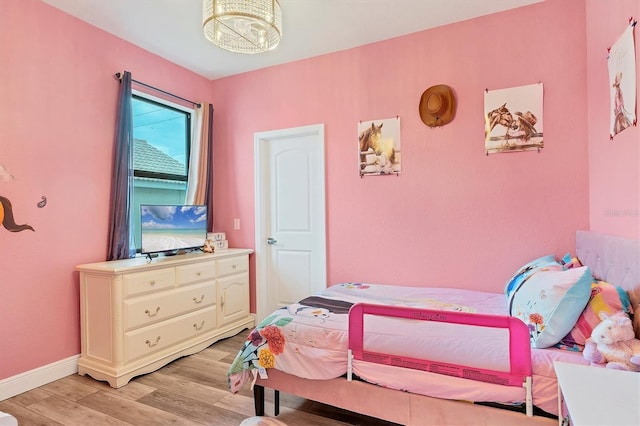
(519, 345)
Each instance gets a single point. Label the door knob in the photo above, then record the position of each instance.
(271, 240)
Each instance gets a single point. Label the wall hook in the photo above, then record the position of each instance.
(43, 202)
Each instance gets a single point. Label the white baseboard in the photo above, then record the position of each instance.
(32, 379)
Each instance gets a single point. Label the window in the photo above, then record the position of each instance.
(161, 140)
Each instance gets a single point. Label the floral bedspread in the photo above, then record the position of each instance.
(309, 339)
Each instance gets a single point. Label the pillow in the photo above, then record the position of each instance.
(525, 271)
(569, 261)
(604, 297)
(550, 301)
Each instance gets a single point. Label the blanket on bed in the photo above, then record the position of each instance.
(309, 339)
(315, 329)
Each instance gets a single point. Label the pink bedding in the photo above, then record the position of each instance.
(310, 340)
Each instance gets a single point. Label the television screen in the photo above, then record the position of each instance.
(172, 228)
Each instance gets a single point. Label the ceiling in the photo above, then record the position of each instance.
(172, 29)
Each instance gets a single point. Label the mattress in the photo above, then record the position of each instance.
(309, 339)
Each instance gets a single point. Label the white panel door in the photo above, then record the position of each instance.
(290, 216)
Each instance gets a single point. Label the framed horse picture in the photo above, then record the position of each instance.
(513, 119)
(379, 147)
(621, 63)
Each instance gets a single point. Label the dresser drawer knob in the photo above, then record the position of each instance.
(152, 283)
(152, 314)
(199, 327)
(233, 266)
(152, 344)
(198, 273)
(199, 301)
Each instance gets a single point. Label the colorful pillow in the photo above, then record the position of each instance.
(604, 297)
(549, 301)
(569, 261)
(521, 275)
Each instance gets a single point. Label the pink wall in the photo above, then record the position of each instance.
(57, 118)
(455, 217)
(614, 166)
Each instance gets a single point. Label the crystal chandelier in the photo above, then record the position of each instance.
(242, 26)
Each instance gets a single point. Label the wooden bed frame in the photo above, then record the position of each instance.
(613, 259)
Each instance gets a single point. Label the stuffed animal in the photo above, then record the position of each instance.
(208, 246)
(613, 342)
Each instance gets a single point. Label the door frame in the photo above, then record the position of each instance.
(261, 218)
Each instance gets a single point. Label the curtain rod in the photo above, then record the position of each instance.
(118, 77)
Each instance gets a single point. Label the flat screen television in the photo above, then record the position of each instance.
(172, 229)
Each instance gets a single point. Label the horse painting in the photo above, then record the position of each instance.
(521, 127)
(513, 119)
(371, 139)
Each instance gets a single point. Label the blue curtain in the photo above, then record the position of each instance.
(120, 245)
(209, 187)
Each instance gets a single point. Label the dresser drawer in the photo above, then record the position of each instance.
(148, 281)
(144, 310)
(232, 265)
(196, 272)
(147, 340)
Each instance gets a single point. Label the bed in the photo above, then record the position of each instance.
(411, 351)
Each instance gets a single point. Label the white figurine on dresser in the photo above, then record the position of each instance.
(137, 315)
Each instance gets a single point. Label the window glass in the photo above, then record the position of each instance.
(161, 134)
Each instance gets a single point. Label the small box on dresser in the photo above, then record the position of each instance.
(221, 245)
(137, 316)
(216, 236)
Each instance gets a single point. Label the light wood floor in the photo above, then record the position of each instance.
(189, 391)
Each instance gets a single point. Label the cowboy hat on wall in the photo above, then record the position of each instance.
(437, 106)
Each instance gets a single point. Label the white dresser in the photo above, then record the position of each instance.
(138, 315)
